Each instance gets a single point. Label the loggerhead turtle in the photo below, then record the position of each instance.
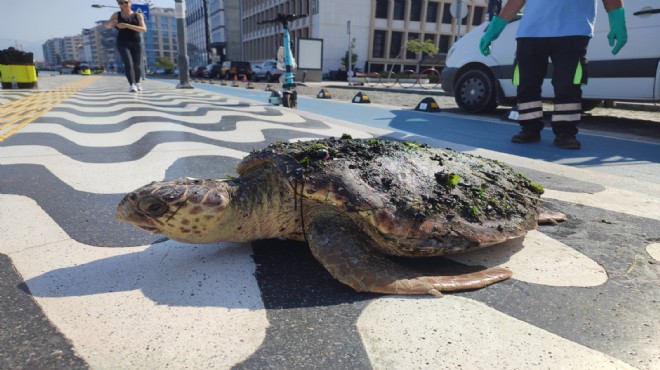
(355, 201)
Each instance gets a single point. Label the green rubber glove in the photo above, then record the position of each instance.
(618, 33)
(493, 31)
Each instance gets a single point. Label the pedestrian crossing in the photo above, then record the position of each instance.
(125, 299)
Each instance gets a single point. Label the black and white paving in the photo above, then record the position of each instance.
(81, 290)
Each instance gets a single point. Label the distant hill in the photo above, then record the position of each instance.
(33, 47)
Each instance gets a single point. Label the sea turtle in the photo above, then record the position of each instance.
(355, 201)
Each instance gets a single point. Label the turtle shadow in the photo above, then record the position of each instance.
(168, 273)
(273, 274)
(290, 277)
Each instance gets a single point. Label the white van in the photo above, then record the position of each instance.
(479, 83)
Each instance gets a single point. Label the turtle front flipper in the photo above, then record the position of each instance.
(345, 251)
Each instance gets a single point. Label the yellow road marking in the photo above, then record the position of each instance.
(18, 113)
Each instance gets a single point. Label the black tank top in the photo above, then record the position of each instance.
(126, 34)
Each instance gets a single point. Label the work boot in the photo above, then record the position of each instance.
(526, 136)
(567, 142)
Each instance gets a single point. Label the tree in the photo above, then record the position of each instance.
(165, 63)
(418, 47)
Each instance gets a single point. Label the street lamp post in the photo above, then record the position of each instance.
(180, 13)
(207, 31)
(349, 62)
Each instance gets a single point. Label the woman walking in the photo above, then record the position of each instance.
(129, 43)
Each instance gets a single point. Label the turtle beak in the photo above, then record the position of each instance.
(125, 212)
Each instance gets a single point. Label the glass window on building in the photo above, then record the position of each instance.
(444, 43)
(395, 45)
(379, 44)
(478, 17)
(416, 10)
(432, 12)
(381, 9)
(399, 10)
(446, 14)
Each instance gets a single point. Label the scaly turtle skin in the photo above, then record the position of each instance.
(354, 202)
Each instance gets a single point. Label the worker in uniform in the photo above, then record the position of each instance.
(559, 30)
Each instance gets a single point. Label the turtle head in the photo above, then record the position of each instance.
(187, 210)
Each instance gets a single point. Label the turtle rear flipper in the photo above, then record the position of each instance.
(344, 250)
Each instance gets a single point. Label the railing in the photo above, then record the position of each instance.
(427, 79)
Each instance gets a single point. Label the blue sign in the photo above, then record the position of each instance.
(141, 8)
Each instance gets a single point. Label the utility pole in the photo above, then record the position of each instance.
(349, 62)
(180, 14)
(207, 30)
(459, 19)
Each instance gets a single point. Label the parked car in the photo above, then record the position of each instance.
(481, 83)
(213, 71)
(231, 69)
(267, 71)
(197, 71)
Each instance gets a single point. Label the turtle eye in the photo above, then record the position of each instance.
(153, 206)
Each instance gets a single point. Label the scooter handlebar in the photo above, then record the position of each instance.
(283, 18)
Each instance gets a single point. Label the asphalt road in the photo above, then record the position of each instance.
(81, 290)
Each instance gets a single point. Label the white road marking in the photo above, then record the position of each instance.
(539, 259)
(209, 117)
(458, 333)
(152, 307)
(246, 132)
(654, 251)
(111, 178)
(616, 200)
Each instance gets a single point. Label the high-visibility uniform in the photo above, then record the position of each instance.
(559, 30)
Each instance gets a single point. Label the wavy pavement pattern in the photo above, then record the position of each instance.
(124, 286)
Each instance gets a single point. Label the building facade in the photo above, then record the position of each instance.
(63, 49)
(97, 45)
(207, 28)
(379, 29)
(160, 40)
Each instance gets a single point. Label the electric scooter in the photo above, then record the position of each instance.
(289, 91)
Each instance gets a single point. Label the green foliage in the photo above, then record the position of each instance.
(418, 47)
(165, 63)
(448, 180)
(453, 180)
(412, 145)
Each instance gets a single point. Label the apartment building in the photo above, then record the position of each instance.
(99, 46)
(207, 28)
(160, 40)
(96, 45)
(58, 50)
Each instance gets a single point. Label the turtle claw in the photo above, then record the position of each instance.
(549, 217)
(434, 292)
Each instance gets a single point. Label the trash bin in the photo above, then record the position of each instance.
(17, 70)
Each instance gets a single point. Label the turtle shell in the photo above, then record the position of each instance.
(414, 199)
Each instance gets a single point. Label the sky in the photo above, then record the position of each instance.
(29, 23)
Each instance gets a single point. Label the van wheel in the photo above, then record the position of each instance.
(475, 92)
